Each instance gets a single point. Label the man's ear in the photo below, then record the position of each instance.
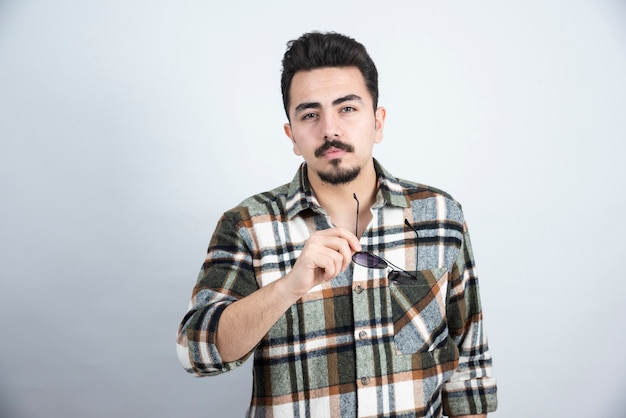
(289, 133)
(379, 118)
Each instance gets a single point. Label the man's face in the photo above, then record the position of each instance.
(333, 125)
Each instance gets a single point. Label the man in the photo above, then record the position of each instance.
(354, 290)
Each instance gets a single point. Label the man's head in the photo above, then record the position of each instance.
(320, 50)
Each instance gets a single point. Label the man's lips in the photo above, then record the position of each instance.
(333, 152)
(333, 148)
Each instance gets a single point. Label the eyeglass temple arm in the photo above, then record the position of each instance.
(356, 228)
(406, 221)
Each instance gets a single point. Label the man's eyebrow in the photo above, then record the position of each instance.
(347, 98)
(307, 105)
(316, 105)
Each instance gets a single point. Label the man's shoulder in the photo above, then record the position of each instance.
(430, 203)
(269, 202)
(415, 191)
(398, 190)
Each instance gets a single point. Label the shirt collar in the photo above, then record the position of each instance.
(300, 197)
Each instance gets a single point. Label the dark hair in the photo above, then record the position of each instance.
(318, 50)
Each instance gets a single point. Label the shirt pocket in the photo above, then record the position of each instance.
(419, 312)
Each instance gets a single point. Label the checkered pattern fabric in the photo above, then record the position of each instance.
(358, 345)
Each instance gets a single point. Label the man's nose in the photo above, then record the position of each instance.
(331, 126)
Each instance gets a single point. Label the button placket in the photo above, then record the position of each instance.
(361, 288)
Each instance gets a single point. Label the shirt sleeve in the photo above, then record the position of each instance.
(472, 388)
(226, 276)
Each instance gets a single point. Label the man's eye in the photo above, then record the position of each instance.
(308, 116)
(348, 109)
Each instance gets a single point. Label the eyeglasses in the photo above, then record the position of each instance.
(373, 261)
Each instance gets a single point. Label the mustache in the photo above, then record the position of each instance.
(333, 144)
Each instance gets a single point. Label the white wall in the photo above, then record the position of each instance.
(127, 127)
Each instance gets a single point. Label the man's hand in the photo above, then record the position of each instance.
(325, 255)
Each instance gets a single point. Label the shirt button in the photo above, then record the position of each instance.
(365, 381)
(358, 288)
(362, 335)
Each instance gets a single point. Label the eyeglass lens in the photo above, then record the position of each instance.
(369, 260)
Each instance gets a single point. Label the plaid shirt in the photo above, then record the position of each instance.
(357, 345)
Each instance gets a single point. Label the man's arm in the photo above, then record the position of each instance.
(472, 388)
(244, 323)
(241, 322)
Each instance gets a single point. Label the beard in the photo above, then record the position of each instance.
(337, 175)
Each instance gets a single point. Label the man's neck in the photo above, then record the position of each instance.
(338, 200)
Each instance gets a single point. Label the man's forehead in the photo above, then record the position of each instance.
(327, 85)
(346, 74)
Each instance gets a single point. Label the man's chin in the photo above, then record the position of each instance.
(338, 175)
